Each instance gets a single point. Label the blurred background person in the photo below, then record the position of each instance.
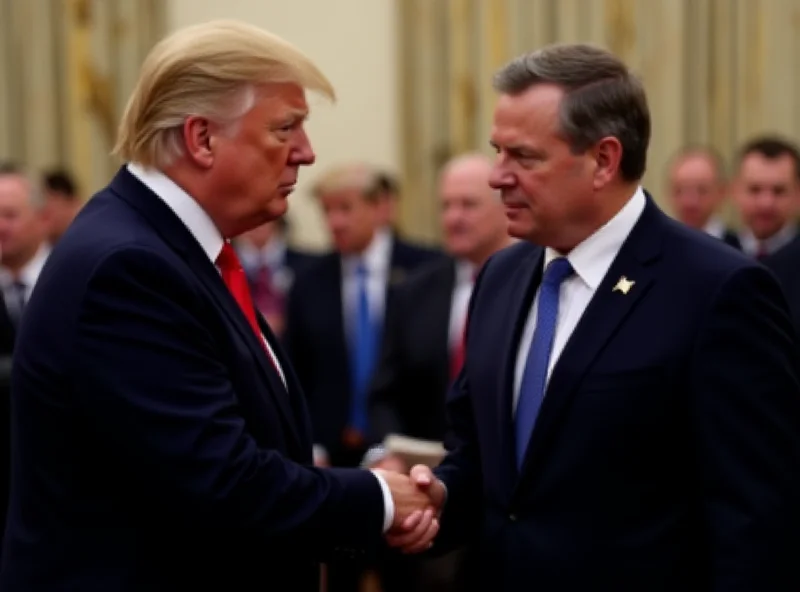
(61, 203)
(23, 248)
(697, 188)
(423, 343)
(766, 192)
(271, 266)
(335, 318)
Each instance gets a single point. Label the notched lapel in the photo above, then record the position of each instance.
(525, 284)
(228, 304)
(605, 314)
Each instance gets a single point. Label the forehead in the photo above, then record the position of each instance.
(472, 180)
(341, 196)
(757, 166)
(529, 115)
(13, 188)
(282, 100)
(694, 165)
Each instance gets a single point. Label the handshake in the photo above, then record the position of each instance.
(418, 500)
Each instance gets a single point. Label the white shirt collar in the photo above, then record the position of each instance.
(592, 258)
(465, 272)
(750, 244)
(29, 273)
(715, 227)
(375, 257)
(273, 254)
(185, 207)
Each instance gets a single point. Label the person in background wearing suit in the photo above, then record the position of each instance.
(160, 439)
(766, 195)
(424, 341)
(334, 324)
(628, 414)
(778, 182)
(271, 266)
(336, 311)
(697, 190)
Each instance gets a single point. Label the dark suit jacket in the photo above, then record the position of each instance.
(316, 342)
(731, 237)
(413, 375)
(154, 445)
(786, 266)
(6, 348)
(667, 451)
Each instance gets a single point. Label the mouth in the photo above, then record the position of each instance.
(286, 188)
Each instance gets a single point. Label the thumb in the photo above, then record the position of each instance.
(421, 475)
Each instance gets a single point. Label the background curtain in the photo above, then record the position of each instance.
(716, 72)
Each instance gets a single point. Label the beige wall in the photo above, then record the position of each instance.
(353, 41)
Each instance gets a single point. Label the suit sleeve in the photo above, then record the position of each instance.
(745, 392)
(155, 385)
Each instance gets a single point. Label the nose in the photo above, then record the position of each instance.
(303, 153)
(499, 177)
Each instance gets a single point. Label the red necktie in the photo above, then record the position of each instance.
(457, 355)
(235, 278)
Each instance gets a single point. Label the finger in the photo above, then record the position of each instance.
(412, 521)
(407, 538)
(421, 475)
(425, 542)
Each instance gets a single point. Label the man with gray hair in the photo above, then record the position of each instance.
(160, 436)
(628, 413)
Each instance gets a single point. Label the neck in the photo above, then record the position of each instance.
(609, 203)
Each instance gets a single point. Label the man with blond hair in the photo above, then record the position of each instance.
(160, 439)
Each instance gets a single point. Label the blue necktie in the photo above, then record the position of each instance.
(534, 377)
(364, 349)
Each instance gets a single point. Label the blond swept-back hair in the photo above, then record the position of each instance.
(352, 176)
(211, 70)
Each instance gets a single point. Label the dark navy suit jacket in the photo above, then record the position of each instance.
(666, 455)
(154, 445)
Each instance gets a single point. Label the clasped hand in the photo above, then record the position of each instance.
(418, 500)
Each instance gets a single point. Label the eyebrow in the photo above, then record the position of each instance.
(516, 148)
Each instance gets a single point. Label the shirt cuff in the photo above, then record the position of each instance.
(388, 503)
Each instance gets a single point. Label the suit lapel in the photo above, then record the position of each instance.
(175, 233)
(219, 291)
(607, 310)
(523, 289)
(296, 399)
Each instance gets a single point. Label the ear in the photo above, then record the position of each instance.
(197, 137)
(607, 156)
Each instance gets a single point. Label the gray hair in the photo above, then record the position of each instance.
(602, 98)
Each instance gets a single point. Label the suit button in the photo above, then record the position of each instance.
(512, 517)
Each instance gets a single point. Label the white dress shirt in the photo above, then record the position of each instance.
(376, 259)
(459, 305)
(590, 260)
(27, 277)
(211, 241)
(751, 245)
(715, 227)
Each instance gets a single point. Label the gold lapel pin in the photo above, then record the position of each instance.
(624, 285)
